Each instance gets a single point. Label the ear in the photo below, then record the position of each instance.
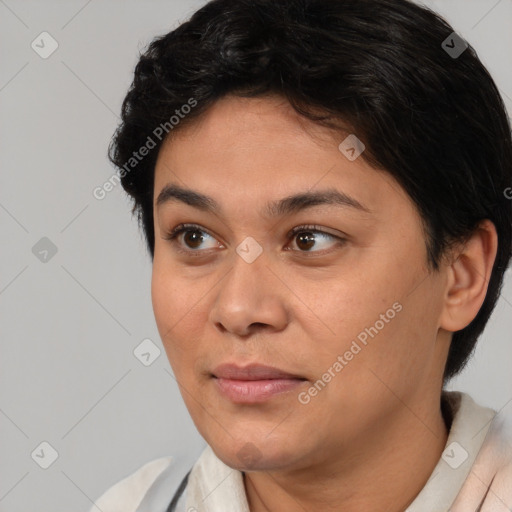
(468, 277)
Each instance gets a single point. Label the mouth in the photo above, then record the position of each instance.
(254, 383)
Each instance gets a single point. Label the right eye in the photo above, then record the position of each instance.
(193, 237)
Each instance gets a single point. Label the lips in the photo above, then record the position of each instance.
(251, 372)
(254, 383)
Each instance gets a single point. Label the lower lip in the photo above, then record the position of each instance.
(251, 391)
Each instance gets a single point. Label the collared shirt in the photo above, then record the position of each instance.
(474, 473)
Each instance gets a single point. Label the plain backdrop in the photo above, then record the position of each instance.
(75, 276)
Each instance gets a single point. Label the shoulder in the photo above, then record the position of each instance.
(125, 495)
(489, 483)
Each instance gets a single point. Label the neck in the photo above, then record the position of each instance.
(385, 471)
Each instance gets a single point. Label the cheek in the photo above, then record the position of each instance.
(375, 319)
(163, 296)
(172, 294)
(172, 305)
(399, 348)
(340, 308)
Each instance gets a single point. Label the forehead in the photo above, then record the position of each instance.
(259, 150)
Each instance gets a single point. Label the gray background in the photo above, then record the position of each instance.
(69, 326)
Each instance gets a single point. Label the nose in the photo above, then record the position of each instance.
(250, 298)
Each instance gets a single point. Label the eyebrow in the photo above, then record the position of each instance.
(279, 208)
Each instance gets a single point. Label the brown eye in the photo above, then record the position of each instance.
(193, 238)
(307, 238)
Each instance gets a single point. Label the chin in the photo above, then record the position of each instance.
(245, 455)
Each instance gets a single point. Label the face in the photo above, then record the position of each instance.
(343, 309)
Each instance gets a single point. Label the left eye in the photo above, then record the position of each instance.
(305, 237)
(308, 236)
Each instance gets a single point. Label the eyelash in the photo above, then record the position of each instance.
(181, 228)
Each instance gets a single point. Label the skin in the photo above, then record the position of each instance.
(370, 439)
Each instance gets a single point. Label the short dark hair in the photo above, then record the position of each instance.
(433, 120)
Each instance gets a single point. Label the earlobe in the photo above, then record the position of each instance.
(468, 278)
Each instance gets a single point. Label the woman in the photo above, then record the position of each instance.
(322, 187)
